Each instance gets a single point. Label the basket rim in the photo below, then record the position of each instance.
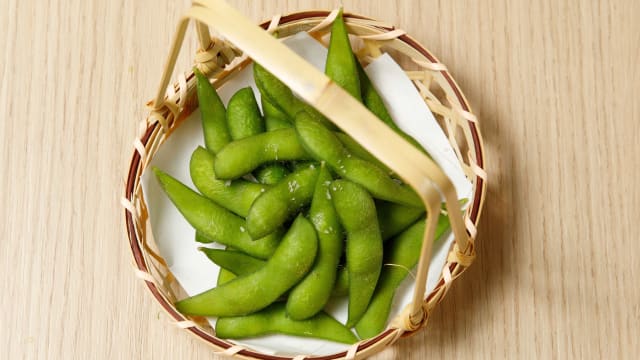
(474, 213)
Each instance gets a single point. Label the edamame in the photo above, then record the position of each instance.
(281, 202)
(243, 115)
(401, 255)
(236, 196)
(274, 319)
(213, 221)
(240, 157)
(341, 63)
(214, 123)
(247, 294)
(312, 293)
(357, 213)
(322, 144)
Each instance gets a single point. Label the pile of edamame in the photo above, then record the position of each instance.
(305, 213)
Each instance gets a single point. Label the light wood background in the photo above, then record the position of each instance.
(556, 87)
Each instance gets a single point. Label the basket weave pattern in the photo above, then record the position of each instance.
(220, 60)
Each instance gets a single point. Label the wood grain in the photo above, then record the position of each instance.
(556, 88)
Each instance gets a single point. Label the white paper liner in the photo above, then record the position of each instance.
(175, 237)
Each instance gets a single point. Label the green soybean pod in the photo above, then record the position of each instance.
(241, 157)
(357, 213)
(341, 63)
(311, 295)
(234, 261)
(341, 287)
(394, 218)
(243, 115)
(401, 255)
(247, 294)
(274, 118)
(244, 119)
(317, 116)
(373, 101)
(279, 95)
(356, 149)
(203, 239)
(271, 174)
(301, 165)
(236, 196)
(214, 123)
(213, 221)
(275, 91)
(281, 201)
(324, 145)
(224, 276)
(274, 319)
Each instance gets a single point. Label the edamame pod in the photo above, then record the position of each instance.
(240, 157)
(274, 319)
(341, 63)
(213, 221)
(402, 254)
(279, 95)
(247, 294)
(341, 288)
(203, 239)
(224, 276)
(274, 118)
(275, 91)
(356, 149)
(357, 214)
(243, 115)
(234, 261)
(281, 202)
(236, 196)
(311, 295)
(323, 145)
(271, 174)
(214, 123)
(394, 218)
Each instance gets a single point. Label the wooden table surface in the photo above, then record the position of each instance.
(554, 83)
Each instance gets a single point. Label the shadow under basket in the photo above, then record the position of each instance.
(222, 59)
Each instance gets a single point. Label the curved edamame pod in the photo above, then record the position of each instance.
(281, 202)
(357, 214)
(214, 123)
(322, 144)
(234, 261)
(213, 221)
(312, 293)
(236, 195)
(240, 157)
(274, 319)
(402, 254)
(247, 294)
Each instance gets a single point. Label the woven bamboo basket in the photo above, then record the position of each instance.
(245, 42)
